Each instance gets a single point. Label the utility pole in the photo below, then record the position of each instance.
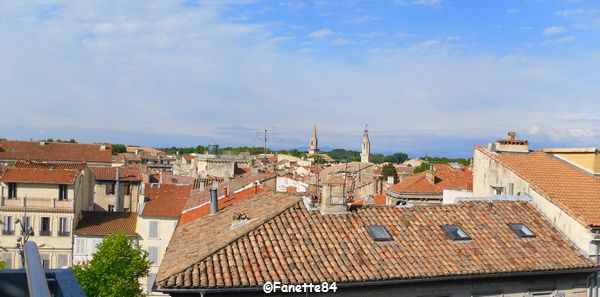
(264, 138)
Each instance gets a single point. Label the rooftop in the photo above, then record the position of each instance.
(106, 223)
(55, 151)
(42, 165)
(39, 176)
(445, 178)
(165, 200)
(110, 173)
(567, 186)
(284, 241)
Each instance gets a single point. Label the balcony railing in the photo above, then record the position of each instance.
(8, 232)
(45, 233)
(42, 202)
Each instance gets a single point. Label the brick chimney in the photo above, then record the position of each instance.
(430, 175)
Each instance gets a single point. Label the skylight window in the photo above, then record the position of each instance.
(379, 233)
(521, 230)
(456, 233)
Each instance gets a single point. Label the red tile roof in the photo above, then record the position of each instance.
(204, 209)
(445, 178)
(106, 223)
(110, 173)
(54, 151)
(166, 200)
(293, 245)
(40, 176)
(570, 188)
(40, 165)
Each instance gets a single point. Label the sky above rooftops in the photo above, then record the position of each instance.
(428, 76)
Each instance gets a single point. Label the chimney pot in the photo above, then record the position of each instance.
(512, 135)
(214, 202)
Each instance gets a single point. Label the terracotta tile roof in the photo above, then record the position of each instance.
(133, 149)
(166, 200)
(106, 223)
(40, 165)
(40, 176)
(445, 178)
(199, 197)
(296, 246)
(169, 178)
(110, 173)
(224, 201)
(570, 188)
(186, 248)
(54, 151)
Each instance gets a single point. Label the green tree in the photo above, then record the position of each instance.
(115, 269)
(118, 148)
(389, 170)
(2, 264)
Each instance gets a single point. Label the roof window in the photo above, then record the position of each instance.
(521, 230)
(456, 233)
(379, 233)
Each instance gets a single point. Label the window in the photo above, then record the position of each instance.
(110, 189)
(63, 191)
(127, 189)
(153, 255)
(521, 230)
(153, 232)
(8, 259)
(379, 233)
(8, 228)
(150, 281)
(45, 261)
(26, 224)
(497, 190)
(45, 226)
(111, 208)
(80, 246)
(63, 227)
(456, 233)
(12, 190)
(63, 261)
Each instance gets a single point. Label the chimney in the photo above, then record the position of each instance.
(214, 201)
(226, 190)
(430, 175)
(256, 188)
(42, 143)
(103, 147)
(390, 179)
(512, 135)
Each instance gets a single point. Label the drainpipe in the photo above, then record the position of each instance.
(117, 203)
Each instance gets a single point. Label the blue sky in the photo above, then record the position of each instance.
(428, 76)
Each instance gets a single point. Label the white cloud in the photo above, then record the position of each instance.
(567, 13)
(361, 19)
(321, 33)
(562, 40)
(512, 11)
(553, 30)
(341, 42)
(419, 2)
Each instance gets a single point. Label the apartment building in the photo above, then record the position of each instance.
(55, 152)
(49, 203)
(116, 188)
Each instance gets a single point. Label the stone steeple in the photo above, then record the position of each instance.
(366, 147)
(314, 143)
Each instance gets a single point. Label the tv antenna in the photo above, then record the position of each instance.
(264, 138)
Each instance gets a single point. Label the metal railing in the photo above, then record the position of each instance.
(36, 277)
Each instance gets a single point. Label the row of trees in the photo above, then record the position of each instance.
(439, 160)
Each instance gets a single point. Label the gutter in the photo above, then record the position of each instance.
(387, 282)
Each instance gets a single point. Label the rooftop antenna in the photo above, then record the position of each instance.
(26, 231)
(264, 138)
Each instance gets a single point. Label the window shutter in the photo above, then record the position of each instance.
(63, 260)
(153, 229)
(153, 255)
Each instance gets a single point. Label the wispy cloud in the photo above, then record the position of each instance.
(567, 13)
(361, 19)
(553, 30)
(512, 11)
(431, 3)
(320, 33)
(561, 40)
(341, 42)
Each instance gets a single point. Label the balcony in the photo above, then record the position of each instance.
(45, 233)
(8, 232)
(37, 202)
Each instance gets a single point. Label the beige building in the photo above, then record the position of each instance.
(562, 183)
(158, 214)
(116, 188)
(50, 201)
